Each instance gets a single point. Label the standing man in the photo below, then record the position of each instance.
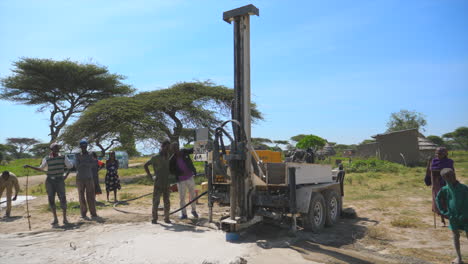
(455, 207)
(433, 177)
(7, 181)
(160, 165)
(181, 166)
(54, 165)
(85, 165)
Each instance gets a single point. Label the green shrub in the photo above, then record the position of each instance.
(374, 165)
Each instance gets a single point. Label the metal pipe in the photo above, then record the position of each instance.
(292, 196)
(292, 190)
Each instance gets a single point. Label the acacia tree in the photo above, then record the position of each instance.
(186, 105)
(261, 143)
(298, 138)
(281, 142)
(21, 145)
(168, 113)
(106, 123)
(436, 140)
(311, 141)
(64, 88)
(405, 119)
(40, 150)
(459, 136)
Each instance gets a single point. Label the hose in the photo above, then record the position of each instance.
(139, 197)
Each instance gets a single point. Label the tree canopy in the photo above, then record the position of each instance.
(40, 150)
(405, 119)
(298, 138)
(167, 113)
(436, 140)
(311, 141)
(64, 88)
(459, 136)
(21, 145)
(261, 143)
(103, 123)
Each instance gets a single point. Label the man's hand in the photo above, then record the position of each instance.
(14, 198)
(26, 166)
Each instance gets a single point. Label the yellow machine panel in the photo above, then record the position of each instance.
(269, 156)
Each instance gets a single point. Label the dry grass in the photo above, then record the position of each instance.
(405, 222)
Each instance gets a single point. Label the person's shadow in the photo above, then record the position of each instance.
(10, 219)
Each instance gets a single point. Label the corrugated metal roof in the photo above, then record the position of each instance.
(426, 144)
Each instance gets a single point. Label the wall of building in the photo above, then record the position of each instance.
(404, 142)
(367, 150)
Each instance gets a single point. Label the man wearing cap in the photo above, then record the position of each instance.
(7, 181)
(85, 164)
(160, 165)
(54, 165)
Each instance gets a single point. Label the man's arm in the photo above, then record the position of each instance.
(40, 168)
(146, 166)
(440, 199)
(17, 188)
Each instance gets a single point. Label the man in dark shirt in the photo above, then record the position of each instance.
(84, 181)
(160, 165)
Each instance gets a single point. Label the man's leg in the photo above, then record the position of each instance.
(456, 242)
(80, 185)
(50, 188)
(167, 205)
(63, 199)
(8, 197)
(191, 188)
(1, 191)
(91, 197)
(182, 186)
(156, 197)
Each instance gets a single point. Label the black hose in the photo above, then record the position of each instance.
(139, 197)
(194, 199)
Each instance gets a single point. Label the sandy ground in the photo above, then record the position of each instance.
(130, 237)
(136, 243)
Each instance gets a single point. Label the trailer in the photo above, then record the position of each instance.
(240, 179)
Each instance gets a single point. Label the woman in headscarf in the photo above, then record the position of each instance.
(433, 177)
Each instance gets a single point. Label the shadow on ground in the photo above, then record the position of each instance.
(181, 227)
(10, 219)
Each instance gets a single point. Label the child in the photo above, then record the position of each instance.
(455, 196)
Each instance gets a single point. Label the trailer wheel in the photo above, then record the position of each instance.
(333, 201)
(315, 219)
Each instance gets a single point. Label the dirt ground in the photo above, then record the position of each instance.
(129, 237)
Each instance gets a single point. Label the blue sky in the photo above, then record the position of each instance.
(336, 69)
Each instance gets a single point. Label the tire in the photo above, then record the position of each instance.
(315, 219)
(333, 202)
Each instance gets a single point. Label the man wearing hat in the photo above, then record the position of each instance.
(8, 180)
(54, 165)
(85, 164)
